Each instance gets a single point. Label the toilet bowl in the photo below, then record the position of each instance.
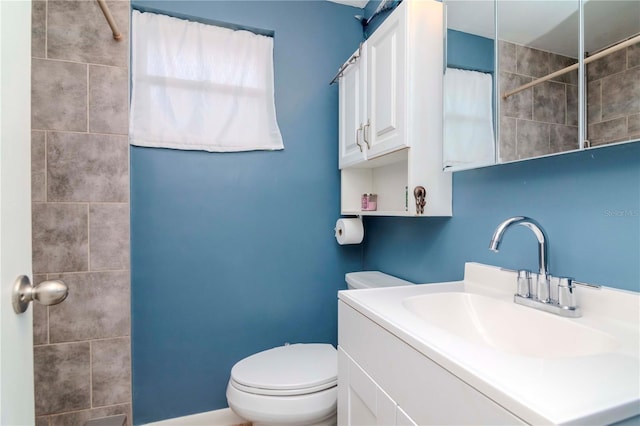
(287, 385)
(294, 384)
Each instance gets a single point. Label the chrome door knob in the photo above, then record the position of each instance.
(47, 293)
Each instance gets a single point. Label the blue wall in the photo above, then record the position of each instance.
(234, 253)
(470, 52)
(587, 202)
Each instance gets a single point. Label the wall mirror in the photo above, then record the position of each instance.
(521, 97)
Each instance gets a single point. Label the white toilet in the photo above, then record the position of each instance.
(294, 384)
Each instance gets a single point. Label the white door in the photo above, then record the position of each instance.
(386, 82)
(351, 108)
(16, 340)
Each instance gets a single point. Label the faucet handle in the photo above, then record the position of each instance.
(543, 292)
(566, 295)
(523, 288)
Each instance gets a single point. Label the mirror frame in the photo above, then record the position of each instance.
(582, 95)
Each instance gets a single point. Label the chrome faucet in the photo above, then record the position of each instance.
(538, 297)
(535, 228)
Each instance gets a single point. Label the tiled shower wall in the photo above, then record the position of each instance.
(544, 119)
(613, 97)
(540, 120)
(80, 194)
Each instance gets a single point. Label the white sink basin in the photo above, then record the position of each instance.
(508, 327)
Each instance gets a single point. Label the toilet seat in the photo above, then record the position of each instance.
(282, 392)
(287, 370)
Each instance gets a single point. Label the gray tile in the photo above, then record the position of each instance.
(610, 64)
(111, 371)
(109, 231)
(78, 418)
(607, 131)
(77, 31)
(563, 138)
(87, 167)
(58, 95)
(621, 94)
(558, 62)
(532, 62)
(519, 105)
(38, 28)
(62, 378)
(108, 100)
(634, 124)
(40, 317)
(508, 139)
(572, 105)
(633, 56)
(100, 299)
(594, 102)
(38, 151)
(507, 52)
(42, 421)
(532, 139)
(549, 102)
(38, 189)
(60, 237)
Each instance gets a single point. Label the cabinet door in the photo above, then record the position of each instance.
(403, 419)
(361, 402)
(351, 113)
(386, 82)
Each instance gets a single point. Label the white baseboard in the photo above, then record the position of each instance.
(222, 417)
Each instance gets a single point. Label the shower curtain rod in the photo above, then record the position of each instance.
(595, 57)
(117, 35)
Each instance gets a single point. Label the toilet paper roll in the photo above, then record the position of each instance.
(349, 231)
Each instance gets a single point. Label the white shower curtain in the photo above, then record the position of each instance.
(468, 119)
(201, 87)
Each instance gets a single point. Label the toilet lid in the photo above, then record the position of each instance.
(289, 368)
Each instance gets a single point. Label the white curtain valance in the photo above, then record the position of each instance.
(201, 87)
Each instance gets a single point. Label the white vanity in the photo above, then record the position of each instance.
(464, 353)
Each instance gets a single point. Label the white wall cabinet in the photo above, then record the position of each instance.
(391, 116)
(383, 380)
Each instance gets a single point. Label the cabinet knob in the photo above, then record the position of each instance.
(420, 194)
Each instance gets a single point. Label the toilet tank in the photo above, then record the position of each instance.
(372, 279)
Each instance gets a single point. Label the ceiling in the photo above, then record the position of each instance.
(550, 25)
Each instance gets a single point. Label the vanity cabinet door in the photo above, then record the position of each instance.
(385, 128)
(403, 419)
(351, 107)
(361, 402)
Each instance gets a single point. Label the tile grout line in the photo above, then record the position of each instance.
(89, 237)
(69, 61)
(46, 29)
(46, 168)
(77, 132)
(104, 271)
(80, 202)
(91, 373)
(88, 99)
(83, 410)
(88, 340)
